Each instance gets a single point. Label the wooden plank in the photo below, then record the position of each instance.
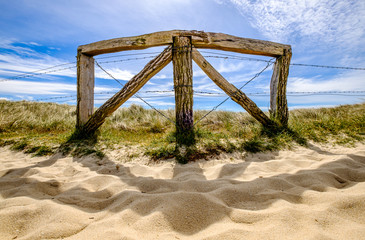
(85, 88)
(200, 39)
(129, 43)
(225, 42)
(236, 95)
(183, 84)
(129, 89)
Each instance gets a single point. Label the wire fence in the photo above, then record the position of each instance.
(56, 68)
(149, 94)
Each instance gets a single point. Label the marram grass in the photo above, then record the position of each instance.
(44, 128)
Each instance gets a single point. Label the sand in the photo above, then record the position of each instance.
(307, 193)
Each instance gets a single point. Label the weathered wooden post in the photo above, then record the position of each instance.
(85, 88)
(278, 102)
(183, 84)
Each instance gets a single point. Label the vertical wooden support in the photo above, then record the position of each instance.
(183, 84)
(278, 102)
(85, 88)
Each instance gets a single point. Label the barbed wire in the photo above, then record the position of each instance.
(217, 106)
(215, 55)
(343, 93)
(34, 74)
(97, 64)
(53, 98)
(230, 56)
(291, 64)
(137, 96)
(43, 71)
(324, 66)
(130, 54)
(56, 68)
(128, 59)
(291, 93)
(204, 94)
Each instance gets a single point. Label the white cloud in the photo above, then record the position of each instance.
(32, 44)
(162, 76)
(310, 106)
(350, 81)
(21, 60)
(42, 88)
(119, 74)
(160, 103)
(339, 22)
(225, 67)
(9, 45)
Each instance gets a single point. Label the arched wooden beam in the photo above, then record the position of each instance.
(200, 39)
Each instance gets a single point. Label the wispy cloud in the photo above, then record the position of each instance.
(117, 73)
(162, 103)
(9, 44)
(18, 87)
(16, 60)
(351, 81)
(339, 22)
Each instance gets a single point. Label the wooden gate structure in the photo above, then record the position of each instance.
(181, 50)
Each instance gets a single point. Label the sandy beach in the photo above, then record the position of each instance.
(306, 193)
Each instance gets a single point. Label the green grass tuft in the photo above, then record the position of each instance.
(19, 146)
(43, 151)
(43, 128)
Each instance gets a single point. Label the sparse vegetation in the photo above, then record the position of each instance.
(43, 128)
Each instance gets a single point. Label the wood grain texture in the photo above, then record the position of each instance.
(282, 113)
(200, 39)
(85, 88)
(274, 87)
(236, 95)
(183, 83)
(129, 89)
(225, 42)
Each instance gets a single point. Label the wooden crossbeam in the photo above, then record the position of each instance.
(236, 95)
(129, 89)
(199, 39)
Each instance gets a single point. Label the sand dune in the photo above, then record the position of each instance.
(309, 193)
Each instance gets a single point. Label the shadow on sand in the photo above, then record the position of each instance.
(188, 201)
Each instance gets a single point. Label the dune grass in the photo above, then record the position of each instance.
(44, 128)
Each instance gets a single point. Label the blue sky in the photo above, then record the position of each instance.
(39, 34)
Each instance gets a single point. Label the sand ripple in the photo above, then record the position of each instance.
(309, 193)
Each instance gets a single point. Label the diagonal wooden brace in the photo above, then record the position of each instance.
(129, 89)
(236, 95)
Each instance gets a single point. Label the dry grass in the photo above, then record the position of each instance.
(41, 128)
